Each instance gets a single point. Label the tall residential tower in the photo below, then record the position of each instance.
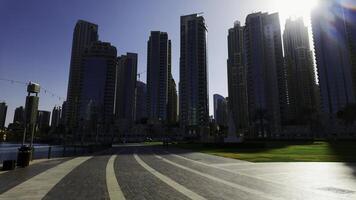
(266, 80)
(126, 74)
(158, 75)
(300, 71)
(84, 34)
(237, 79)
(97, 91)
(334, 33)
(193, 86)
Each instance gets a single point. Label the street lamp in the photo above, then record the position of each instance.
(31, 109)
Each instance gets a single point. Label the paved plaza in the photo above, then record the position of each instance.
(157, 172)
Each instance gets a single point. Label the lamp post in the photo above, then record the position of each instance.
(31, 109)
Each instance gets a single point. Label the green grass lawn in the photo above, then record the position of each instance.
(282, 151)
(154, 143)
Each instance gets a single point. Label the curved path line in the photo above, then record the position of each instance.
(234, 185)
(113, 186)
(316, 193)
(180, 188)
(38, 186)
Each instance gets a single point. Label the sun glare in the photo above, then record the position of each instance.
(295, 8)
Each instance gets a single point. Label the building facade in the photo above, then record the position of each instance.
(43, 119)
(172, 109)
(193, 86)
(126, 74)
(158, 76)
(97, 91)
(237, 79)
(3, 112)
(141, 101)
(300, 71)
(334, 37)
(220, 110)
(56, 116)
(84, 34)
(19, 115)
(63, 113)
(266, 77)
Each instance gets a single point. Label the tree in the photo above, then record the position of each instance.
(348, 114)
(261, 120)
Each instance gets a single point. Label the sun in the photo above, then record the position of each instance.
(295, 8)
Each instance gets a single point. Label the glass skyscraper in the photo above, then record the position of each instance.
(193, 86)
(334, 33)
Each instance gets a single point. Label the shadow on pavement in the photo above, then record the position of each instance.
(346, 152)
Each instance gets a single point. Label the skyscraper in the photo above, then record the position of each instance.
(334, 31)
(97, 88)
(237, 78)
(220, 110)
(141, 100)
(56, 116)
(172, 102)
(266, 80)
(126, 75)
(193, 88)
(300, 71)
(63, 113)
(158, 75)
(3, 111)
(19, 115)
(84, 34)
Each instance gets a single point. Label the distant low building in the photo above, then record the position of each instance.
(56, 116)
(43, 119)
(19, 115)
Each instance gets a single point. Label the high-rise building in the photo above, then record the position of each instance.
(63, 113)
(334, 33)
(350, 23)
(56, 116)
(43, 118)
(193, 86)
(3, 111)
(84, 34)
(266, 77)
(237, 79)
(220, 110)
(19, 115)
(300, 71)
(141, 101)
(97, 88)
(158, 75)
(172, 110)
(126, 75)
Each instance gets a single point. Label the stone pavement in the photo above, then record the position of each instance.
(156, 172)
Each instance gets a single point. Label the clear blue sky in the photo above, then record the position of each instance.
(36, 37)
